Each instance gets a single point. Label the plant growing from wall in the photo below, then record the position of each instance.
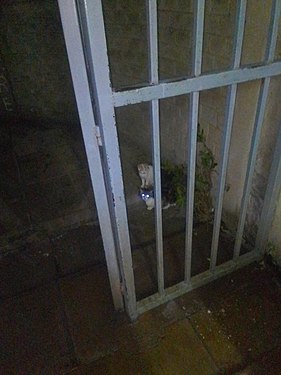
(205, 166)
(177, 180)
(274, 253)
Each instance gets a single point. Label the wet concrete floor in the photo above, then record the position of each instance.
(67, 325)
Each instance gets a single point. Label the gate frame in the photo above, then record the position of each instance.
(88, 28)
(91, 137)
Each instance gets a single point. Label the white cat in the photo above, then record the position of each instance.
(146, 175)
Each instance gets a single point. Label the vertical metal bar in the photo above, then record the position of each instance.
(273, 31)
(152, 40)
(82, 93)
(93, 27)
(239, 32)
(193, 124)
(261, 106)
(231, 98)
(251, 164)
(198, 37)
(154, 79)
(271, 197)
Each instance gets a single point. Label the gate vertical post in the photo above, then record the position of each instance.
(192, 139)
(92, 23)
(77, 64)
(156, 147)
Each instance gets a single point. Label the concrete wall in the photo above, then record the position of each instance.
(35, 57)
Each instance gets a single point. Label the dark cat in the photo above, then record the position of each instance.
(167, 192)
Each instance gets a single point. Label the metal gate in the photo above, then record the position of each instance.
(84, 32)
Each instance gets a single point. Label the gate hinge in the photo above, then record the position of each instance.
(98, 136)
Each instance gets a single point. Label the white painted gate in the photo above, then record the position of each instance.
(84, 32)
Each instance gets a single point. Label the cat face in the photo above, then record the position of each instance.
(142, 168)
(146, 194)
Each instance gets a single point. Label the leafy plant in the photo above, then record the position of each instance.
(177, 176)
(205, 165)
(273, 255)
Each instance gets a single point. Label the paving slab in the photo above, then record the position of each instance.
(90, 311)
(32, 337)
(52, 199)
(27, 267)
(268, 363)
(10, 182)
(14, 219)
(78, 248)
(243, 326)
(177, 351)
(49, 163)
(97, 330)
(213, 293)
(28, 140)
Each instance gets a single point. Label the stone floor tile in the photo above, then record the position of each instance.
(82, 182)
(135, 337)
(32, 337)
(48, 163)
(117, 345)
(213, 293)
(97, 330)
(115, 364)
(28, 140)
(9, 167)
(145, 271)
(14, 219)
(90, 313)
(39, 165)
(178, 351)
(217, 339)
(27, 267)
(53, 199)
(10, 181)
(243, 326)
(173, 249)
(78, 248)
(268, 364)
